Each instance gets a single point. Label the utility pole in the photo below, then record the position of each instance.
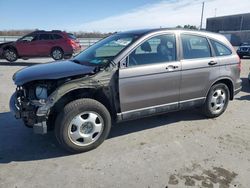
(202, 11)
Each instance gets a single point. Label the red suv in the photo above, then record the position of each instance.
(56, 44)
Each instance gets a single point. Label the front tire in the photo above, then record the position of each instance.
(10, 54)
(82, 125)
(216, 101)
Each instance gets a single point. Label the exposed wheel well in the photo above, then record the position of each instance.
(229, 84)
(10, 47)
(97, 95)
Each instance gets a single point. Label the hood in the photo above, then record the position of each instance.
(6, 43)
(51, 71)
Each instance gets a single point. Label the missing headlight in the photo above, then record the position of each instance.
(41, 92)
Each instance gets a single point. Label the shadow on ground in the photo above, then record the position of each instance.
(245, 89)
(18, 143)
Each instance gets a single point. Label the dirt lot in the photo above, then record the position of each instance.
(173, 150)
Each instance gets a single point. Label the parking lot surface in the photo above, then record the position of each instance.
(172, 150)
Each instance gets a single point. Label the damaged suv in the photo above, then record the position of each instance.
(125, 76)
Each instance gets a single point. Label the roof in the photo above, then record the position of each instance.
(43, 31)
(147, 31)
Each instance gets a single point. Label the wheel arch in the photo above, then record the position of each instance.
(80, 93)
(55, 47)
(228, 82)
(10, 47)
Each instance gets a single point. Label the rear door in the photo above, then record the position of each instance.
(199, 69)
(45, 44)
(152, 76)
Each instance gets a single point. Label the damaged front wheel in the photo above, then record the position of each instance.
(82, 125)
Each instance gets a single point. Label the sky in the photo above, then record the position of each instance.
(111, 15)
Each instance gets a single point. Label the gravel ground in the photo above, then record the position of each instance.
(173, 150)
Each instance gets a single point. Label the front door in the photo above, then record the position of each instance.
(27, 46)
(150, 83)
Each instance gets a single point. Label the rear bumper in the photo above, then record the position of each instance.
(73, 51)
(77, 50)
(237, 87)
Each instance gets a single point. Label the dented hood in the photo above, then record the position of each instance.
(51, 71)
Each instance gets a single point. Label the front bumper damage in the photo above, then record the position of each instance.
(38, 114)
(14, 109)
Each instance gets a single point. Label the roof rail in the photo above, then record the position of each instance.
(56, 31)
(38, 31)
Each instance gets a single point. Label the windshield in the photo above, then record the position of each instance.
(105, 50)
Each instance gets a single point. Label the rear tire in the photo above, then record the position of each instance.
(57, 53)
(82, 125)
(216, 101)
(10, 54)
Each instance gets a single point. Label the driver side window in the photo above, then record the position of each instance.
(158, 49)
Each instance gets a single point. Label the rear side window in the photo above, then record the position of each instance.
(220, 49)
(45, 37)
(195, 47)
(56, 36)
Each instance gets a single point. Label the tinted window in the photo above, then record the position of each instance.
(36, 37)
(56, 36)
(220, 49)
(45, 37)
(155, 50)
(72, 36)
(195, 47)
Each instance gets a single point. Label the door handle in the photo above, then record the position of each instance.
(171, 67)
(212, 63)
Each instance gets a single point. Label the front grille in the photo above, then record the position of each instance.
(244, 49)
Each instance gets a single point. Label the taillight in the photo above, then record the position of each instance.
(71, 42)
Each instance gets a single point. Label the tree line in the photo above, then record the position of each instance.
(79, 34)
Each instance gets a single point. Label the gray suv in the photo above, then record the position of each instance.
(126, 76)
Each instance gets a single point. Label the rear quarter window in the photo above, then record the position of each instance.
(220, 49)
